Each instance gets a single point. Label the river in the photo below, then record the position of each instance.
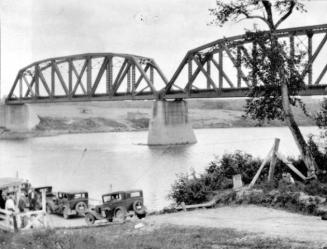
(101, 162)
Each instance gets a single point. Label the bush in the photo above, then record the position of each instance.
(219, 174)
(188, 190)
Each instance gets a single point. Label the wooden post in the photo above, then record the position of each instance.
(255, 178)
(273, 160)
(290, 165)
(44, 203)
(14, 219)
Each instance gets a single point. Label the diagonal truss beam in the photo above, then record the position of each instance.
(206, 74)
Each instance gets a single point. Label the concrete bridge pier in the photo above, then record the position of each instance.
(18, 118)
(169, 123)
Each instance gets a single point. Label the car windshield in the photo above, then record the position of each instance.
(112, 197)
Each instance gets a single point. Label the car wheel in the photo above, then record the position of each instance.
(48, 209)
(90, 219)
(81, 208)
(65, 213)
(120, 214)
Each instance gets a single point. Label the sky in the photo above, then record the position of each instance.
(165, 30)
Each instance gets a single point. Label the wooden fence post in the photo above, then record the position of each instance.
(273, 160)
(255, 178)
(44, 201)
(14, 219)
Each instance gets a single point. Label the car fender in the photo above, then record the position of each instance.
(95, 214)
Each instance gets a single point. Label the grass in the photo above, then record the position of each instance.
(125, 236)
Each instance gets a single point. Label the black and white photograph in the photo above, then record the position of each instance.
(163, 124)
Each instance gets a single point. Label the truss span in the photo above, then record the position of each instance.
(214, 70)
(87, 77)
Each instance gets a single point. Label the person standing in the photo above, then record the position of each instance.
(22, 203)
(2, 200)
(10, 204)
(32, 199)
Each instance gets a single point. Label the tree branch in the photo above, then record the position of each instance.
(267, 6)
(289, 12)
(247, 16)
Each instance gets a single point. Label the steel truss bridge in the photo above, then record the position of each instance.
(213, 70)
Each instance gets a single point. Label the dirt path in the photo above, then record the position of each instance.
(259, 220)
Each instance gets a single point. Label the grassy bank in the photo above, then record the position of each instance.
(126, 236)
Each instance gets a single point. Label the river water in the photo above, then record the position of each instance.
(101, 162)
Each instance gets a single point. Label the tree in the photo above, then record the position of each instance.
(273, 65)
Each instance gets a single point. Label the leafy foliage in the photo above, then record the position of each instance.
(274, 71)
(218, 176)
(226, 11)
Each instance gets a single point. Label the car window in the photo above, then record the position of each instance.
(106, 198)
(135, 194)
(79, 195)
(116, 197)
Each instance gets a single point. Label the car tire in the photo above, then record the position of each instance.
(138, 207)
(120, 214)
(81, 208)
(65, 213)
(90, 219)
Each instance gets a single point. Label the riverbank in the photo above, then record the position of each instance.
(224, 227)
(92, 117)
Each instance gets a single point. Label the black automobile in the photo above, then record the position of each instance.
(118, 205)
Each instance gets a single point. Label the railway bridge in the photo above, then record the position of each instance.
(213, 70)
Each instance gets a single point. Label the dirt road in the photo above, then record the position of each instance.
(253, 219)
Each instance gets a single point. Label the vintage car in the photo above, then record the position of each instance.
(68, 203)
(38, 197)
(117, 205)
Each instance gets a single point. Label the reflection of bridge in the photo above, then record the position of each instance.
(213, 70)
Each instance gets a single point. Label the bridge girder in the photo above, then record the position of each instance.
(87, 77)
(214, 70)
(209, 71)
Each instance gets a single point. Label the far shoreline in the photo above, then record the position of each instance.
(10, 135)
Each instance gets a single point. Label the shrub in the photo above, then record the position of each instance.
(217, 176)
(188, 190)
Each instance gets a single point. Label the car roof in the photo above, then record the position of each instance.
(119, 192)
(42, 187)
(72, 191)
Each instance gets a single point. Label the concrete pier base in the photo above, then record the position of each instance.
(169, 124)
(18, 118)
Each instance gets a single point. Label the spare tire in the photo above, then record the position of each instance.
(138, 207)
(81, 208)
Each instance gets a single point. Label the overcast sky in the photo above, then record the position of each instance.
(162, 29)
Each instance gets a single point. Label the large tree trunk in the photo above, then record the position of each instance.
(297, 135)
